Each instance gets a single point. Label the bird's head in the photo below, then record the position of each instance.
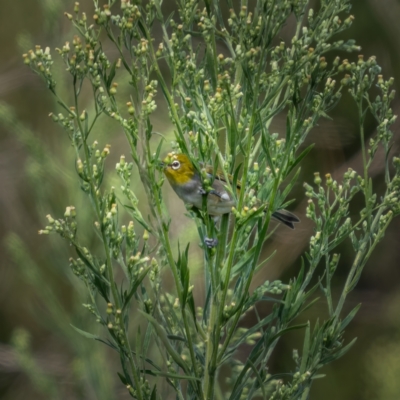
(178, 169)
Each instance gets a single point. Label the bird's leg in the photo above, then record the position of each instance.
(202, 191)
(222, 196)
(212, 242)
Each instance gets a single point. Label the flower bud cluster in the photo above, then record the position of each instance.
(383, 113)
(114, 323)
(333, 263)
(290, 389)
(274, 287)
(343, 193)
(92, 310)
(148, 103)
(392, 199)
(69, 123)
(79, 21)
(85, 58)
(325, 30)
(101, 16)
(394, 189)
(345, 228)
(299, 8)
(155, 270)
(247, 28)
(79, 269)
(250, 198)
(205, 24)
(298, 380)
(144, 387)
(229, 310)
(93, 173)
(66, 227)
(178, 51)
(127, 22)
(243, 216)
(124, 169)
(136, 265)
(332, 203)
(41, 62)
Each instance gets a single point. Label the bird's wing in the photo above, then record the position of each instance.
(219, 194)
(219, 190)
(220, 180)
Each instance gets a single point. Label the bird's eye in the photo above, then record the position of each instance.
(175, 165)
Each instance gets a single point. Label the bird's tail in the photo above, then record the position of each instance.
(286, 218)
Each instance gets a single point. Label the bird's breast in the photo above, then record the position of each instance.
(190, 192)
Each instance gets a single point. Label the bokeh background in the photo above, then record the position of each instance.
(41, 356)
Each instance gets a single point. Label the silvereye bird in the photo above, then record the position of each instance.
(186, 182)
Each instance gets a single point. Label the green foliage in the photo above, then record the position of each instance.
(20, 341)
(225, 78)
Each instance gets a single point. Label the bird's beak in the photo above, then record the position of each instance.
(161, 164)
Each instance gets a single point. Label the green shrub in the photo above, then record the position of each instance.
(225, 77)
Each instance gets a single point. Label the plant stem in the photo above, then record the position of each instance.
(212, 333)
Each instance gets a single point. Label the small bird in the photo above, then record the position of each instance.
(186, 182)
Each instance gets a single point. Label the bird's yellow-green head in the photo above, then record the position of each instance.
(178, 169)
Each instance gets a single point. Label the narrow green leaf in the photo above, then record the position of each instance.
(300, 158)
(159, 148)
(235, 179)
(259, 379)
(132, 211)
(159, 13)
(139, 344)
(153, 395)
(111, 75)
(272, 299)
(162, 334)
(265, 321)
(265, 147)
(246, 258)
(175, 337)
(169, 18)
(265, 261)
(108, 343)
(310, 304)
(318, 376)
(340, 353)
(170, 375)
(349, 317)
(306, 349)
(127, 377)
(192, 308)
(135, 285)
(147, 339)
(85, 334)
(211, 65)
(123, 380)
(289, 187)
(306, 392)
(184, 273)
(288, 126)
(286, 330)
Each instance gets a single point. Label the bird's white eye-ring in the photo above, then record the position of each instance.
(175, 165)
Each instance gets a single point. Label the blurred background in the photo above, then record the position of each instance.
(41, 356)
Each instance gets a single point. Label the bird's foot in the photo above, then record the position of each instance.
(202, 191)
(211, 242)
